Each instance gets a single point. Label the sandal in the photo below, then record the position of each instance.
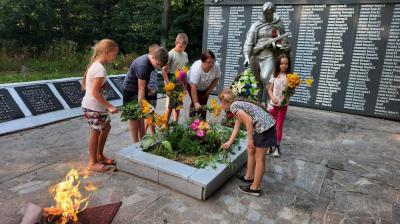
(248, 190)
(99, 167)
(242, 178)
(106, 161)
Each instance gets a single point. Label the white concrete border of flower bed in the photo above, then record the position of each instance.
(198, 183)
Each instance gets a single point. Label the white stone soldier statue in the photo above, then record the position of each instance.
(265, 40)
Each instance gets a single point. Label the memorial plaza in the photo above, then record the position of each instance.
(330, 67)
(334, 168)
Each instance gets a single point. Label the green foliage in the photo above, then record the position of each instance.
(164, 149)
(131, 111)
(181, 141)
(56, 36)
(133, 24)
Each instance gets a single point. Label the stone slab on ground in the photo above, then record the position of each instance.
(365, 191)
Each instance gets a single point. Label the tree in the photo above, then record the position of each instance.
(164, 23)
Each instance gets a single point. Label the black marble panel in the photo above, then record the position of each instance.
(117, 81)
(111, 94)
(351, 49)
(9, 109)
(71, 91)
(39, 98)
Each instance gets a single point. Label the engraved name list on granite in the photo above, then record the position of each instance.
(110, 93)
(388, 99)
(9, 109)
(307, 46)
(71, 91)
(349, 48)
(333, 54)
(118, 81)
(364, 58)
(215, 36)
(39, 98)
(234, 48)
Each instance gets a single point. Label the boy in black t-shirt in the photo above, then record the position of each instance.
(135, 86)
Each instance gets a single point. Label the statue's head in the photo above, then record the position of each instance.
(268, 11)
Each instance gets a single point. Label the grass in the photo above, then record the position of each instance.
(60, 59)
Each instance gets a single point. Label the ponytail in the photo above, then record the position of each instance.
(87, 68)
(101, 47)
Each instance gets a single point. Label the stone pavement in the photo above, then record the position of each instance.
(335, 168)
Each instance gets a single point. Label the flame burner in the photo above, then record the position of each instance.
(54, 220)
(103, 214)
(71, 206)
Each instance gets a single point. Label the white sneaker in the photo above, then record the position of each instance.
(276, 154)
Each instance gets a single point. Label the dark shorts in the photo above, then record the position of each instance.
(265, 139)
(96, 120)
(128, 96)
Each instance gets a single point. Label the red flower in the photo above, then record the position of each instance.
(229, 115)
(274, 33)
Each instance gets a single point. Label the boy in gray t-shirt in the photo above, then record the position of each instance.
(178, 58)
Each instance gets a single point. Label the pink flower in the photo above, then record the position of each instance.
(182, 75)
(200, 133)
(196, 121)
(194, 126)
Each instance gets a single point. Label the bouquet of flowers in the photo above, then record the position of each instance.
(157, 120)
(246, 86)
(175, 88)
(214, 108)
(135, 110)
(293, 81)
(181, 75)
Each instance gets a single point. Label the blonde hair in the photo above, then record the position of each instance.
(227, 96)
(100, 48)
(182, 38)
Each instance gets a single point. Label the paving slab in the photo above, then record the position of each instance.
(335, 168)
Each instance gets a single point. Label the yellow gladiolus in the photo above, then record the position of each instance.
(160, 120)
(149, 120)
(185, 69)
(169, 86)
(146, 107)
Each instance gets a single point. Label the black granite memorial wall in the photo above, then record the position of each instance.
(39, 98)
(350, 48)
(71, 92)
(111, 94)
(9, 109)
(117, 81)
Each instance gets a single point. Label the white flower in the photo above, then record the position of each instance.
(237, 87)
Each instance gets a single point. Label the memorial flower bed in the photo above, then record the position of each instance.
(196, 143)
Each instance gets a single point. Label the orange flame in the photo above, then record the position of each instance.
(69, 201)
